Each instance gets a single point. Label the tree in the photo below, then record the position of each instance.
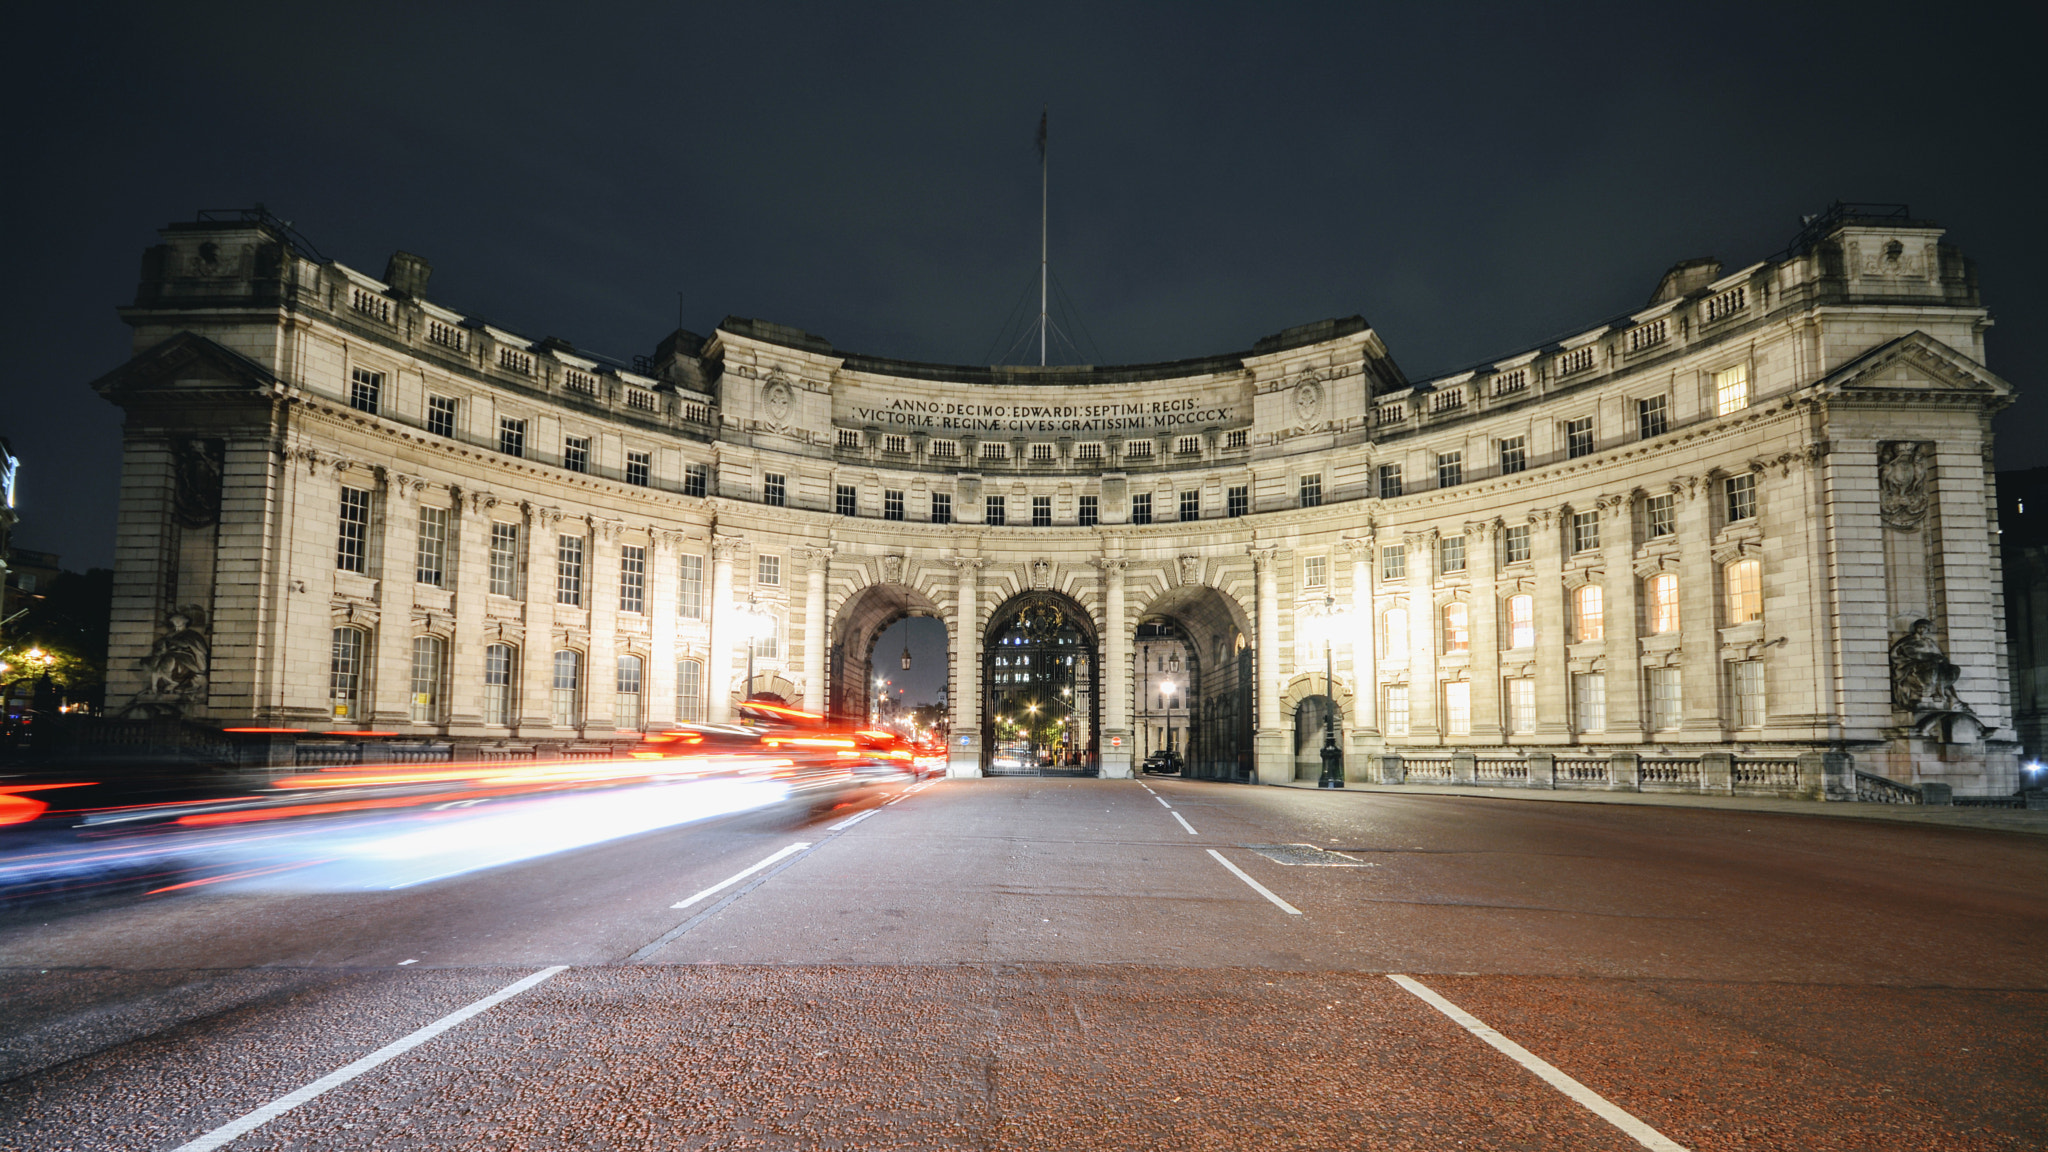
(62, 633)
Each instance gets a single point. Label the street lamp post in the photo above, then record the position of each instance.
(756, 624)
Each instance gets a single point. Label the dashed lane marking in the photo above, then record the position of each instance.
(850, 821)
(742, 875)
(1261, 889)
(1184, 823)
(1162, 801)
(1592, 1101)
(283, 1104)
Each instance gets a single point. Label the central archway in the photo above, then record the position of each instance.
(1041, 712)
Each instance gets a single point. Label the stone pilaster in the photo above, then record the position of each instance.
(1365, 632)
(1553, 676)
(1273, 759)
(536, 583)
(964, 756)
(658, 703)
(1115, 678)
(817, 627)
(1699, 618)
(724, 630)
(1621, 600)
(1425, 640)
(1482, 563)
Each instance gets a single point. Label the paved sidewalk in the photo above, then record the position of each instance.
(1995, 819)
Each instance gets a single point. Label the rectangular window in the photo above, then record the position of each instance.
(1748, 690)
(768, 571)
(1458, 707)
(504, 559)
(632, 578)
(626, 695)
(774, 489)
(994, 510)
(942, 508)
(1313, 571)
(1451, 554)
(696, 479)
(1091, 511)
(1515, 544)
(1041, 511)
(1585, 532)
(1578, 437)
(511, 436)
(892, 504)
(639, 468)
(1191, 505)
(1240, 500)
(846, 500)
(576, 453)
(1514, 455)
(1731, 390)
(498, 684)
(364, 388)
(768, 642)
(690, 587)
(1745, 588)
(1660, 515)
(1239, 438)
(565, 698)
(1141, 508)
(1397, 710)
(1390, 481)
(1521, 627)
(689, 692)
(1311, 489)
(441, 415)
(430, 558)
(427, 659)
(1521, 705)
(352, 549)
(569, 570)
(1667, 705)
(345, 674)
(1741, 497)
(1450, 469)
(1589, 698)
(1653, 416)
(1394, 562)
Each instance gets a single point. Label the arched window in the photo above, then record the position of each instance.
(565, 699)
(1521, 629)
(1396, 634)
(1663, 602)
(429, 659)
(1587, 622)
(689, 691)
(1457, 627)
(1745, 591)
(626, 699)
(345, 673)
(498, 665)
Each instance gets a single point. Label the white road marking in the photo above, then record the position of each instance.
(1592, 1101)
(1184, 823)
(283, 1104)
(737, 877)
(1261, 889)
(1162, 800)
(403, 963)
(850, 821)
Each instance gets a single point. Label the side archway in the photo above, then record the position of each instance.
(1214, 697)
(860, 622)
(1315, 707)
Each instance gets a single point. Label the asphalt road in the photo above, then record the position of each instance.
(1065, 963)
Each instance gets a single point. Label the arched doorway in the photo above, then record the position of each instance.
(1312, 718)
(856, 661)
(1207, 718)
(1041, 713)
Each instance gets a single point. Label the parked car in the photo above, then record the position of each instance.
(1163, 761)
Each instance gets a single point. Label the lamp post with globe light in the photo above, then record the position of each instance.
(755, 623)
(1326, 616)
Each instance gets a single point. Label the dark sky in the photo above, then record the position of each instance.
(1472, 179)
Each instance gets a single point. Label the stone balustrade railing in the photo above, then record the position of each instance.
(1810, 775)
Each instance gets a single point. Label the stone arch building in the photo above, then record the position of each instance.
(1707, 527)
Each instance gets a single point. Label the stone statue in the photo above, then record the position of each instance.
(1923, 680)
(177, 661)
(1903, 467)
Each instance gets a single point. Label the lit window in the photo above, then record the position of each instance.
(1745, 580)
(1451, 554)
(345, 674)
(1521, 621)
(768, 571)
(1394, 633)
(1588, 622)
(1458, 707)
(1313, 569)
(1663, 605)
(1457, 627)
(1731, 390)
(1394, 562)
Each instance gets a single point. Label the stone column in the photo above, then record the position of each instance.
(389, 699)
(601, 601)
(1365, 633)
(1621, 596)
(536, 581)
(1114, 677)
(817, 630)
(1553, 676)
(1699, 624)
(1273, 759)
(658, 700)
(1425, 636)
(1482, 560)
(965, 751)
(723, 633)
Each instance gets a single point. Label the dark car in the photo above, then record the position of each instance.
(1163, 761)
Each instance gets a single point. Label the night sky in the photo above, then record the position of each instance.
(1472, 179)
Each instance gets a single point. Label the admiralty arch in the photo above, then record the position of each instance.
(1741, 539)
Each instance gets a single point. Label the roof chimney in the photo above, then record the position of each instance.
(407, 274)
(1686, 277)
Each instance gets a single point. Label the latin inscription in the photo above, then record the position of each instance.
(951, 416)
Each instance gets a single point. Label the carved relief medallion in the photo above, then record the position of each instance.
(1903, 467)
(1308, 399)
(778, 400)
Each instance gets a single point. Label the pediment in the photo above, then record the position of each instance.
(187, 363)
(1913, 366)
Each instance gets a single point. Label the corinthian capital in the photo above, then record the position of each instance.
(727, 547)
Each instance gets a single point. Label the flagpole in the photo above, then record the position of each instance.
(1044, 191)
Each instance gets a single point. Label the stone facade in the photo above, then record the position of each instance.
(1711, 528)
